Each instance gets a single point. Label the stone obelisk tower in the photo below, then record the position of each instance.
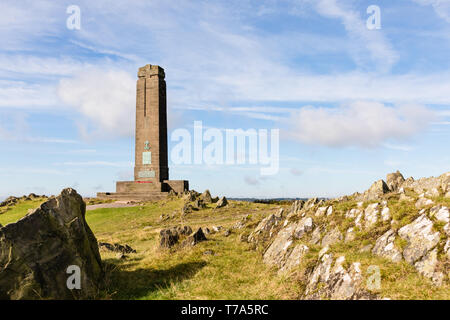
(151, 171)
(151, 162)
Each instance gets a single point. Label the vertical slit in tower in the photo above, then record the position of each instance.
(145, 97)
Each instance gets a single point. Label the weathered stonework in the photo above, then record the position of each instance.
(151, 171)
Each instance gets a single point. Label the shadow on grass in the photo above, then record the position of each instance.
(139, 283)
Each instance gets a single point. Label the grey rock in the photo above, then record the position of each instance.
(206, 196)
(199, 204)
(386, 214)
(296, 207)
(241, 224)
(332, 237)
(350, 235)
(371, 215)
(394, 181)
(320, 212)
(116, 247)
(424, 202)
(37, 250)
(336, 283)
(168, 238)
(377, 190)
(279, 251)
(440, 213)
(294, 258)
(195, 238)
(385, 247)
(427, 267)
(316, 235)
(263, 231)
(420, 237)
(221, 203)
(366, 248)
(310, 203)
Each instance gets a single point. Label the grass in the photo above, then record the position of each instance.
(19, 210)
(235, 270)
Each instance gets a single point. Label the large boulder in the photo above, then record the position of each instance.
(222, 203)
(394, 180)
(385, 247)
(206, 197)
(169, 237)
(375, 192)
(265, 229)
(377, 189)
(41, 251)
(280, 249)
(332, 237)
(421, 238)
(195, 238)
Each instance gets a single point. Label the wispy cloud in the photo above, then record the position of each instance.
(441, 7)
(95, 163)
(362, 123)
(365, 43)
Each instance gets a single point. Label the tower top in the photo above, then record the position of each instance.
(149, 70)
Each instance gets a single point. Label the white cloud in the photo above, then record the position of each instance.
(106, 100)
(441, 7)
(96, 163)
(289, 86)
(20, 94)
(362, 123)
(398, 147)
(366, 43)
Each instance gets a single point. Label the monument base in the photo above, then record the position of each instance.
(145, 190)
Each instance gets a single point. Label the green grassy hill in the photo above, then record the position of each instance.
(224, 267)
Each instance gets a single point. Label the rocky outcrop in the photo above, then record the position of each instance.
(195, 238)
(38, 252)
(281, 248)
(332, 237)
(428, 184)
(394, 181)
(418, 236)
(376, 191)
(221, 203)
(265, 228)
(116, 247)
(330, 279)
(385, 247)
(206, 197)
(169, 237)
(371, 215)
(10, 201)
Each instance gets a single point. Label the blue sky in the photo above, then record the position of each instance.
(351, 104)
